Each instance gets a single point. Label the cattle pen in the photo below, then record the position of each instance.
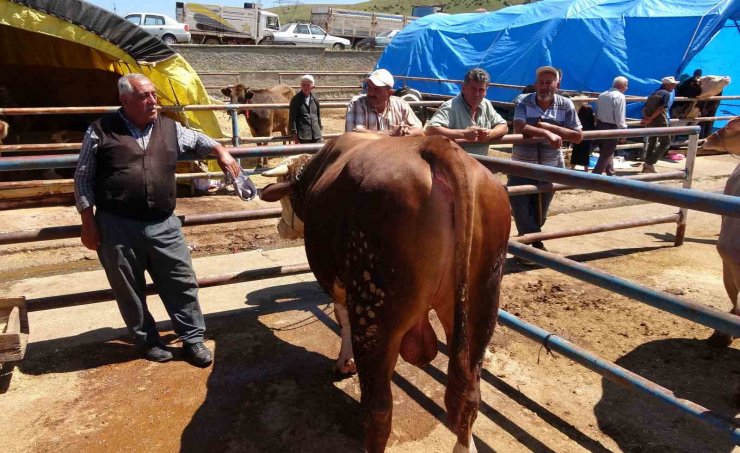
(635, 186)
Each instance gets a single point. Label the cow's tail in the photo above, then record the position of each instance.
(462, 368)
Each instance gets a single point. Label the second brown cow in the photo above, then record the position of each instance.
(263, 122)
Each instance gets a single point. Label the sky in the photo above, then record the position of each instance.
(167, 7)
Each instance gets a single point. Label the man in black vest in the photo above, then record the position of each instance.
(305, 114)
(127, 170)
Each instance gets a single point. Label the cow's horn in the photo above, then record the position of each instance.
(280, 170)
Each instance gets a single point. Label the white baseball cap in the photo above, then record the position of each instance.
(308, 77)
(381, 78)
(549, 69)
(670, 80)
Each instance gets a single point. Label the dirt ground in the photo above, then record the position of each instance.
(270, 387)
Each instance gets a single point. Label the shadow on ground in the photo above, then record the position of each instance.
(268, 394)
(692, 370)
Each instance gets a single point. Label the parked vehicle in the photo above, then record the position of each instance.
(163, 27)
(380, 41)
(356, 25)
(308, 35)
(214, 24)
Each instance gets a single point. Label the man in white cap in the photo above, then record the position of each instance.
(553, 117)
(470, 116)
(379, 111)
(655, 114)
(305, 114)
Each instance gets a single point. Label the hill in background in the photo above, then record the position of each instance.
(302, 13)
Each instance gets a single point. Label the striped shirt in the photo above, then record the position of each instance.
(398, 112)
(187, 139)
(561, 112)
(611, 108)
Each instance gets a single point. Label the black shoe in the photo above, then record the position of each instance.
(539, 245)
(197, 354)
(156, 352)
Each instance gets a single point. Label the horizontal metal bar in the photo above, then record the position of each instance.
(615, 373)
(73, 231)
(625, 224)
(89, 297)
(685, 198)
(528, 189)
(710, 317)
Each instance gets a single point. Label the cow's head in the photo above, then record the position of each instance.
(712, 85)
(726, 139)
(285, 190)
(238, 94)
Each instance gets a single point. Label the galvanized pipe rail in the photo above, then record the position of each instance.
(692, 311)
(67, 161)
(11, 111)
(103, 295)
(617, 374)
(73, 231)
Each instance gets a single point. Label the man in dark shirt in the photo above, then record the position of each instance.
(126, 169)
(655, 114)
(305, 114)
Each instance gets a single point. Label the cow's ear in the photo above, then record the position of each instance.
(248, 94)
(226, 91)
(276, 191)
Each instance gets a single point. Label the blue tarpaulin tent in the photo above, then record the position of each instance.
(592, 41)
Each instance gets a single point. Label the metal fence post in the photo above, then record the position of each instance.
(684, 212)
(235, 129)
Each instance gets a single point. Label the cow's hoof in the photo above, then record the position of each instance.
(719, 339)
(460, 448)
(345, 369)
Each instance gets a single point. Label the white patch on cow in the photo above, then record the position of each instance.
(366, 275)
(460, 448)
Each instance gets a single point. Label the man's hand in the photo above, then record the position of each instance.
(90, 235)
(554, 140)
(471, 134)
(227, 163)
(401, 130)
(644, 122)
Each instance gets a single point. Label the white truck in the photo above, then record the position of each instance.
(356, 25)
(214, 24)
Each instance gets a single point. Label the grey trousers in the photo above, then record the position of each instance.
(607, 147)
(653, 152)
(529, 211)
(129, 247)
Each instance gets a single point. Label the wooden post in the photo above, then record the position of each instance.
(13, 329)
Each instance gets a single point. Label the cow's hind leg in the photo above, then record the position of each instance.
(731, 278)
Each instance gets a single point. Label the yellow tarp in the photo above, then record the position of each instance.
(74, 47)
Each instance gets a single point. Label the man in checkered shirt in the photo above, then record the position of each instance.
(550, 116)
(126, 169)
(379, 111)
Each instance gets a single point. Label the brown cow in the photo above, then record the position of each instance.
(393, 228)
(263, 122)
(728, 139)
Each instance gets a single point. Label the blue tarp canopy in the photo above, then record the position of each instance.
(592, 41)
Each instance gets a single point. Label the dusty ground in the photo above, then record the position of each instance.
(270, 388)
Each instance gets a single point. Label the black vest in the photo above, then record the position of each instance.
(131, 182)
